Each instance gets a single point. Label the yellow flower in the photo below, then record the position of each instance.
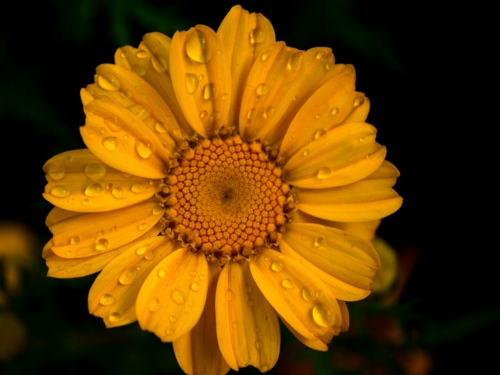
(253, 161)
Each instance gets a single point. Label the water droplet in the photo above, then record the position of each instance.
(169, 331)
(56, 173)
(59, 191)
(319, 133)
(358, 101)
(262, 89)
(139, 70)
(95, 171)
(306, 152)
(202, 277)
(178, 297)
(256, 36)
(108, 82)
(195, 286)
(277, 266)
(161, 273)
(225, 96)
(329, 65)
(229, 294)
(322, 316)
(249, 289)
(235, 325)
(113, 318)
(268, 112)
(263, 368)
(172, 319)
(266, 55)
(74, 240)
(320, 241)
(102, 130)
(295, 61)
(125, 94)
(157, 210)
(250, 113)
(361, 139)
(209, 92)
(139, 111)
(138, 188)
(141, 250)
(117, 192)
(141, 54)
(94, 190)
(308, 295)
(107, 300)
(318, 115)
(127, 277)
(144, 148)
(154, 305)
(287, 283)
(320, 55)
(159, 64)
(324, 173)
(160, 128)
(110, 143)
(150, 255)
(142, 226)
(197, 47)
(123, 55)
(102, 245)
(193, 273)
(203, 114)
(192, 83)
(258, 344)
(101, 233)
(85, 202)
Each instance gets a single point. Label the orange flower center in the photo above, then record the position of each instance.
(225, 198)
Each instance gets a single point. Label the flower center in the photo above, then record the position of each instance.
(225, 198)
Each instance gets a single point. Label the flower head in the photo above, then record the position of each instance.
(229, 179)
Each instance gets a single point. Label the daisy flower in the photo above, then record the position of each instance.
(229, 180)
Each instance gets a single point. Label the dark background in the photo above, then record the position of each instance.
(411, 61)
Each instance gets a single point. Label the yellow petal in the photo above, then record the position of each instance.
(79, 181)
(369, 199)
(319, 67)
(268, 92)
(170, 306)
(121, 140)
(201, 77)
(247, 326)
(77, 267)
(323, 110)
(151, 62)
(198, 352)
(297, 294)
(340, 288)
(313, 344)
(358, 112)
(245, 36)
(114, 292)
(96, 233)
(366, 230)
(128, 90)
(342, 255)
(340, 156)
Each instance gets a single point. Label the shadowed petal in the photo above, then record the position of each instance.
(198, 352)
